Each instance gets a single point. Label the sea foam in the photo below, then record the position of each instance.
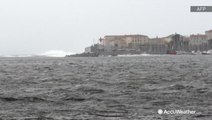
(55, 53)
(51, 53)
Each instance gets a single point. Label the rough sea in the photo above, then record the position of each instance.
(106, 88)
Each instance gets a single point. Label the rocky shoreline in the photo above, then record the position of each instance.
(117, 53)
(106, 53)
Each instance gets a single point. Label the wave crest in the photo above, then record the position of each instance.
(55, 53)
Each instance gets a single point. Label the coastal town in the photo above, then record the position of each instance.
(113, 45)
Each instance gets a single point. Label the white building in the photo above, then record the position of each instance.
(198, 39)
(124, 41)
(208, 34)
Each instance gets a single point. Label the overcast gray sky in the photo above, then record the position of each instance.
(36, 26)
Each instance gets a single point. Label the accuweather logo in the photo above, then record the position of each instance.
(170, 112)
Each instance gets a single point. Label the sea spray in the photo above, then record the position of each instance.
(55, 53)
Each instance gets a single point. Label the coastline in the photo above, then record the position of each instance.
(119, 54)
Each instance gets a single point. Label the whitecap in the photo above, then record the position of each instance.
(55, 53)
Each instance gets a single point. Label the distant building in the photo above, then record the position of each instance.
(144, 44)
(198, 42)
(134, 41)
(178, 43)
(155, 46)
(208, 34)
(167, 39)
(157, 41)
(198, 39)
(210, 44)
(124, 41)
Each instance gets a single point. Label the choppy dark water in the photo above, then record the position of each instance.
(113, 88)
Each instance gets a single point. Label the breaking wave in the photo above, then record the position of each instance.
(55, 53)
(51, 53)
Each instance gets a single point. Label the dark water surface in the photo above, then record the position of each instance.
(105, 88)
